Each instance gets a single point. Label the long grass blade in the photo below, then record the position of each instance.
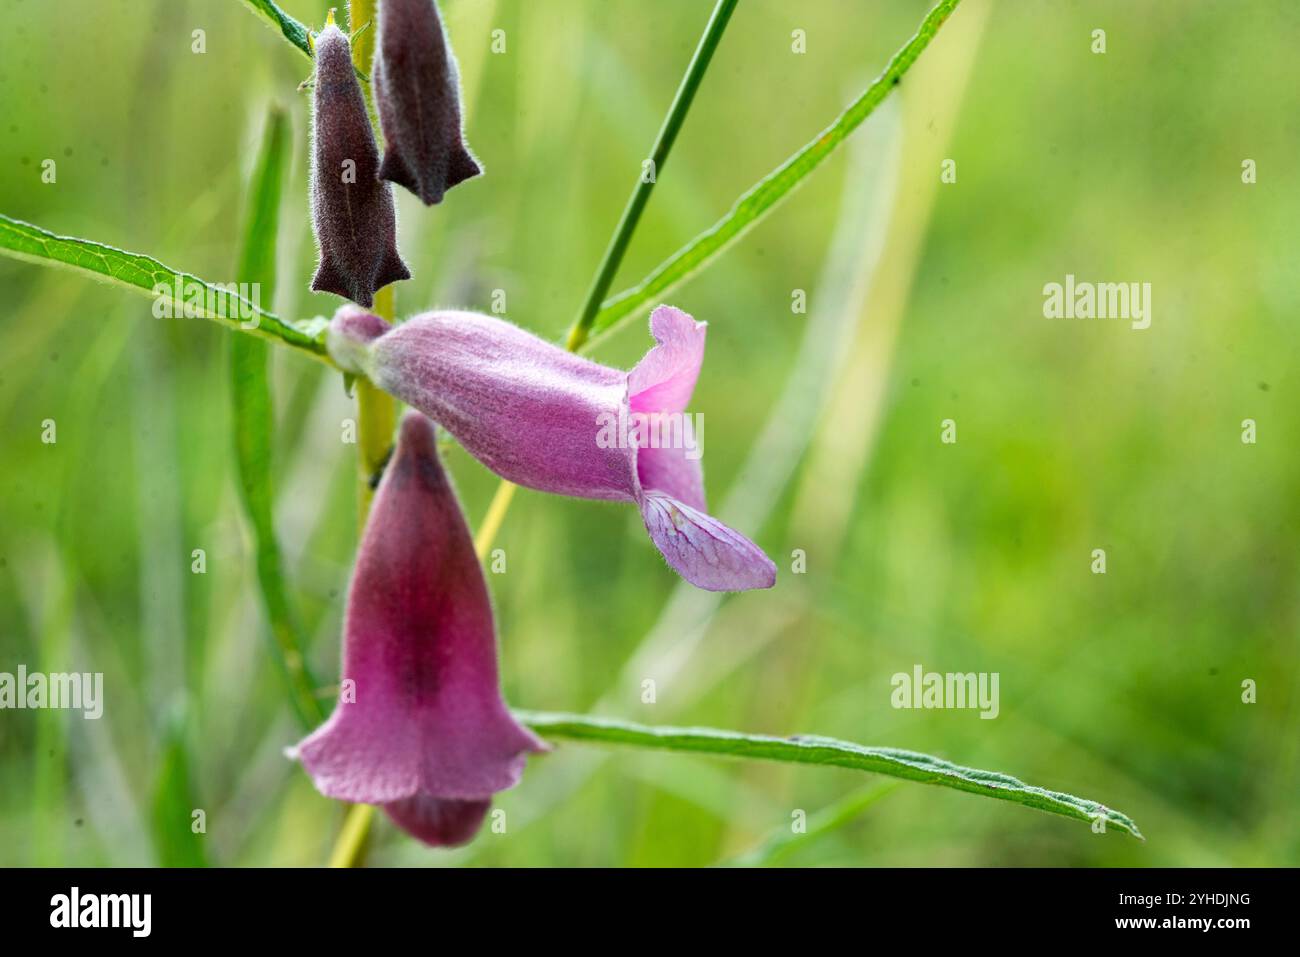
(811, 749)
(253, 420)
(771, 190)
(672, 124)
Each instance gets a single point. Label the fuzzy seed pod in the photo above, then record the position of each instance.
(352, 211)
(418, 93)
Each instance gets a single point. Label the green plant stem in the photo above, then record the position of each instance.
(763, 197)
(658, 157)
(376, 420)
(376, 410)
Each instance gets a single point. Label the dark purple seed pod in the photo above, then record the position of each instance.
(352, 210)
(418, 93)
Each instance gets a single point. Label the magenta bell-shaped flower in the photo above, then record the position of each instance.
(420, 727)
(418, 94)
(352, 211)
(551, 420)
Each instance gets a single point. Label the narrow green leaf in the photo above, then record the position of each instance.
(768, 192)
(257, 255)
(250, 393)
(172, 819)
(181, 292)
(695, 71)
(807, 749)
(295, 32)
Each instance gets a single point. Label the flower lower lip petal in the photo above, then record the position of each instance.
(702, 550)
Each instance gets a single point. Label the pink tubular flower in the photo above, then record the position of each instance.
(422, 729)
(547, 419)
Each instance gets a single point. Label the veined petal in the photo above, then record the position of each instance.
(420, 712)
(664, 379)
(702, 550)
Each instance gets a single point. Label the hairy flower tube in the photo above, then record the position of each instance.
(418, 94)
(551, 420)
(352, 211)
(420, 727)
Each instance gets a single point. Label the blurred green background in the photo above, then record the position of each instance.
(823, 430)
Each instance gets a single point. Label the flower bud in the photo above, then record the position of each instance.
(418, 93)
(352, 211)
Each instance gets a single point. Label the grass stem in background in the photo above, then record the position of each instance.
(496, 515)
(785, 841)
(768, 192)
(658, 157)
(253, 421)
